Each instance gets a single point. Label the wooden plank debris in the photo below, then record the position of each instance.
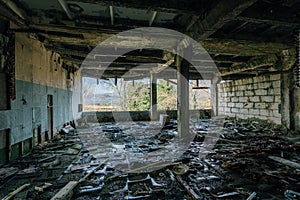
(43, 187)
(189, 190)
(146, 168)
(66, 192)
(285, 162)
(12, 194)
(7, 172)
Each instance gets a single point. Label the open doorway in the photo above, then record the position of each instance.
(50, 116)
(4, 146)
(39, 134)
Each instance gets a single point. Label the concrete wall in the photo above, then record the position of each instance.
(258, 97)
(38, 73)
(76, 95)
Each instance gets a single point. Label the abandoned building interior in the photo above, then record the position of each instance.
(245, 146)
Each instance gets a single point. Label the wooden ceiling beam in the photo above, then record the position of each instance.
(223, 12)
(18, 11)
(143, 74)
(252, 64)
(111, 13)
(170, 8)
(64, 6)
(152, 18)
(242, 47)
(272, 22)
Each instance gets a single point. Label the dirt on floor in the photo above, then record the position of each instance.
(216, 159)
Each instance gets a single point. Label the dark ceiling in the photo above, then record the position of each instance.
(243, 38)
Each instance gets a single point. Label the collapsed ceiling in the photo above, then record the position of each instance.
(243, 38)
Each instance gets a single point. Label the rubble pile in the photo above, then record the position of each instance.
(227, 159)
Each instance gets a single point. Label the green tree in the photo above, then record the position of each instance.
(139, 97)
(166, 96)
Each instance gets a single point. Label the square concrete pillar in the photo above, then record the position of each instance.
(153, 96)
(183, 93)
(295, 118)
(214, 98)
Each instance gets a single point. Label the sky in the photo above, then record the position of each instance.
(101, 88)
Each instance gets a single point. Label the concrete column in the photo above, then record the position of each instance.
(295, 90)
(214, 95)
(285, 99)
(153, 96)
(295, 118)
(182, 96)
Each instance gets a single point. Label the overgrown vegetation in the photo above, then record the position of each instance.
(135, 95)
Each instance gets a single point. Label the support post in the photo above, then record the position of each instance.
(295, 103)
(295, 90)
(285, 99)
(285, 65)
(183, 92)
(296, 111)
(214, 96)
(153, 96)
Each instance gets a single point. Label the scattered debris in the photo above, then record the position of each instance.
(27, 171)
(291, 195)
(180, 169)
(189, 190)
(68, 129)
(164, 119)
(12, 194)
(52, 163)
(66, 192)
(90, 189)
(43, 187)
(252, 195)
(285, 162)
(7, 172)
(80, 164)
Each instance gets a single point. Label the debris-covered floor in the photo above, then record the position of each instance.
(250, 160)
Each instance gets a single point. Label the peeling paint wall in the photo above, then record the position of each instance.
(38, 73)
(257, 97)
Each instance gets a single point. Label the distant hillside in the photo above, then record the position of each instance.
(101, 99)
